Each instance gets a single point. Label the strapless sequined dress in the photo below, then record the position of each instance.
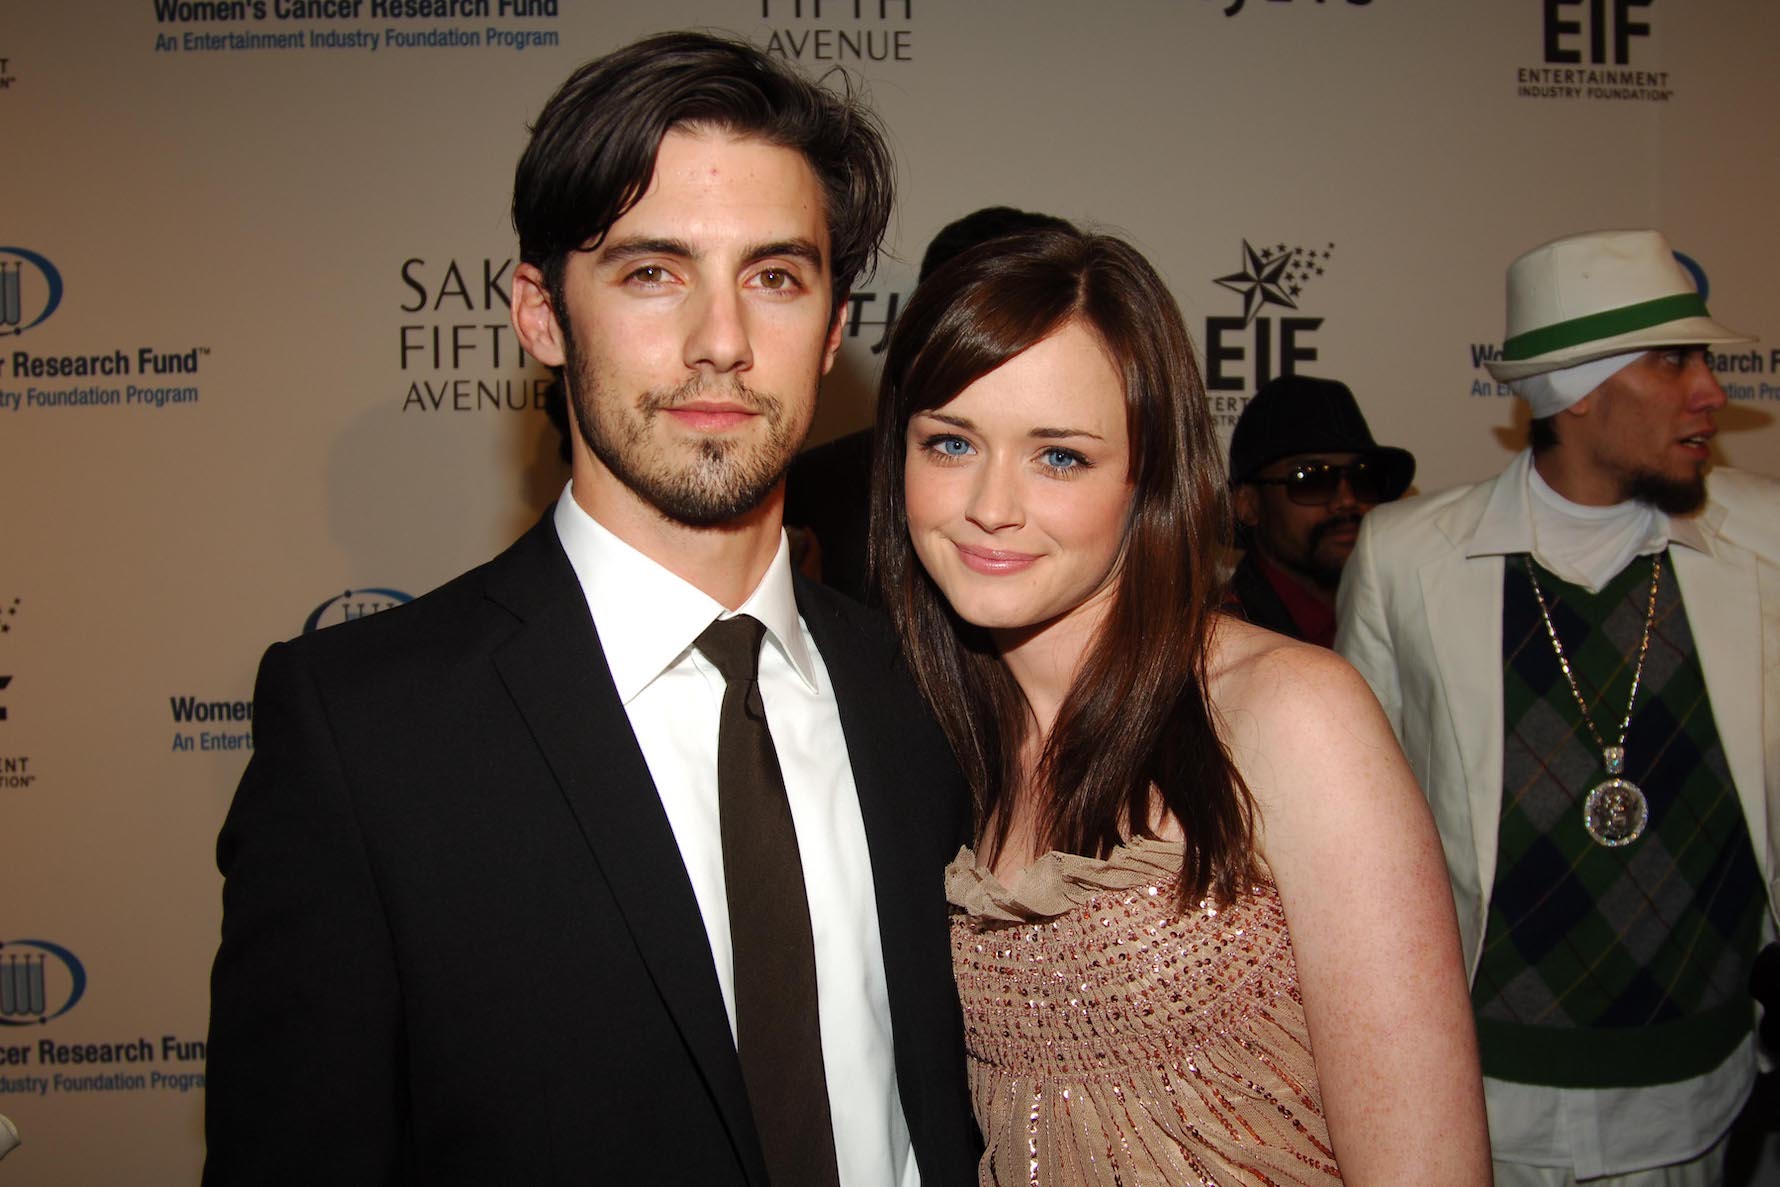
(1115, 1040)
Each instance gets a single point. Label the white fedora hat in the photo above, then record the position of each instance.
(1587, 296)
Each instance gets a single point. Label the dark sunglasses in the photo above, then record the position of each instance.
(1313, 484)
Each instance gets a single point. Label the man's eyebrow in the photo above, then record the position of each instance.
(623, 250)
(620, 250)
(796, 249)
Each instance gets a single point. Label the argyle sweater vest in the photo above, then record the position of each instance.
(1613, 967)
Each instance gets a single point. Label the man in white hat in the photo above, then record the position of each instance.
(1581, 658)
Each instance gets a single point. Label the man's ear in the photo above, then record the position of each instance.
(1246, 504)
(833, 345)
(535, 319)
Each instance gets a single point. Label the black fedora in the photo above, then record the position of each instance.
(1303, 414)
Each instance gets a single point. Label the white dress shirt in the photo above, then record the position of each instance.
(647, 619)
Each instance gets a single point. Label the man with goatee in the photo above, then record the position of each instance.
(618, 859)
(1581, 657)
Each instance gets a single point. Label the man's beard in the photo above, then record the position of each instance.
(1327, 575)
(1668, 495)
(726, 478)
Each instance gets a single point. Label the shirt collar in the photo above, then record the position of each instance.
(1507, 524)
(1686, 529)
(648, 617)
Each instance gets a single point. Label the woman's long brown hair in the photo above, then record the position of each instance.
(1137, 716)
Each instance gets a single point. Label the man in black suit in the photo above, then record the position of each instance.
(485, 920)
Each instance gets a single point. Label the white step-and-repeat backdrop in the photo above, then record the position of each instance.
(256, 375)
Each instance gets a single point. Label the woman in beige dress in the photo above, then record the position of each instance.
(1205, 934)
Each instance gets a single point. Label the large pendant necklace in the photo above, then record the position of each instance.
(1615, 811)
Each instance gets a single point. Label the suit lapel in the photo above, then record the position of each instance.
(866, 722)
(877, 729)
(1462, 597)
(556, 673)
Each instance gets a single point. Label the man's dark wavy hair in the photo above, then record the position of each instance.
(592, 150)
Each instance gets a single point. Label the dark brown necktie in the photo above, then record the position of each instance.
(778, 1032)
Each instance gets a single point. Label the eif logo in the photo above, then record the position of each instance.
(1242, 353)
(39, 981)
(1601, 29)
(1587, 48)
(30, 290)
(354, 603)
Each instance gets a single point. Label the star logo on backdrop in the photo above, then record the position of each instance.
(6, 615)
(1274, 276)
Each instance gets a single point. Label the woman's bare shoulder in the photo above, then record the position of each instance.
(1342, 827)
(1296, 715)
(1253, 670)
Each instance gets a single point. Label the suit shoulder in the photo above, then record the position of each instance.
(1751, 504)
(1424, 524)
(454, 618)
(1743, 485)
(834, 609)
(419, 623)
(1416, 510)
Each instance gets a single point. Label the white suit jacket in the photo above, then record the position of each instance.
(1420, 615)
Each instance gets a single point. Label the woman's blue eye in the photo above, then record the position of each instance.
(1061, 459)
(953, 446)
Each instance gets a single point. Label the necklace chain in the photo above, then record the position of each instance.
(1615, 754)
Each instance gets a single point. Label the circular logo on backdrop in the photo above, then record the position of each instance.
(1698, 273)
(30, 289)
(38, 981)
(354, 603)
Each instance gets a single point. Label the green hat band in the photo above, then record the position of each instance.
(1597, 326)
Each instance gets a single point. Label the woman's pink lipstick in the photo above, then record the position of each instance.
(994, 562)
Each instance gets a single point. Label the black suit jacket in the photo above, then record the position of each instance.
(459, 945)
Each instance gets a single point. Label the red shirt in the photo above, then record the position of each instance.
(1315, 617)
